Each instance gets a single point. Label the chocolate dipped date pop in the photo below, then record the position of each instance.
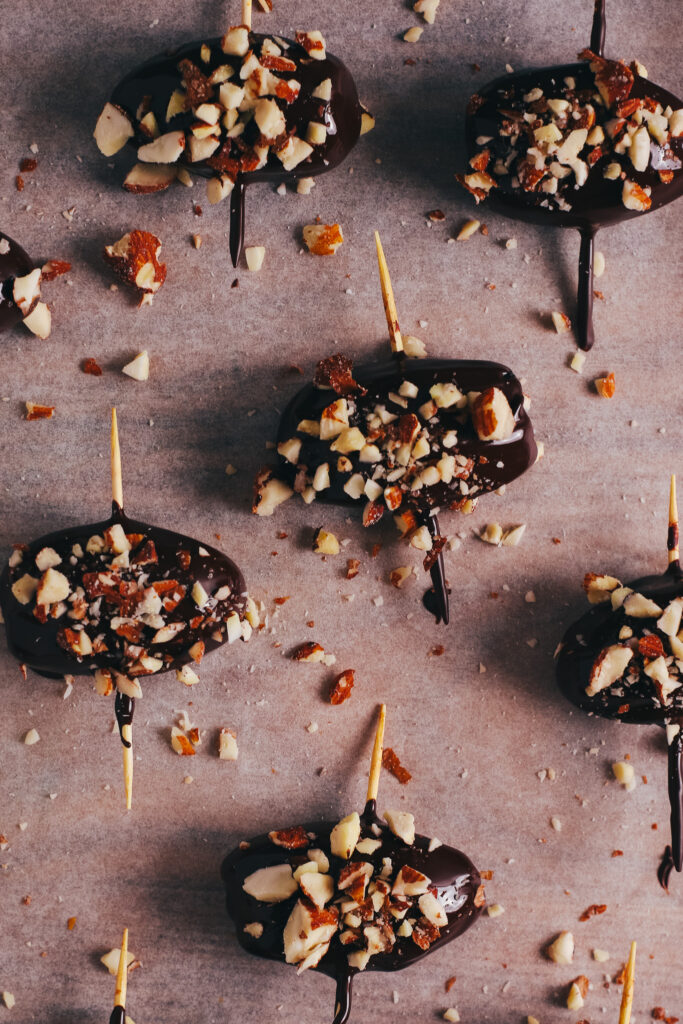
(624, 660)
(20, 284)
(407, 436)
(580, 145)
(241, 109)
(343, 897)
(122, 600)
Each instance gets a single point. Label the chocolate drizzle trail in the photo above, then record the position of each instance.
(124, 708)
(596, 203)
(161, 556)
(152, 83)
(13, 263)
(453, 875)
(638, 703)
(496, 462)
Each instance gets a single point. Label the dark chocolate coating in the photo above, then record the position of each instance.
(13, 263)
(593, 632)
(452, 873)
(118, 1015)
(159, 77)
(598, 202)
(497, 462)
(35, 644)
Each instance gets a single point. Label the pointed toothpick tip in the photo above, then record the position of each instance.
(388, 299)
(122, 973)
(116, 483)
(672, 541)
(376, 762)
(629, 981)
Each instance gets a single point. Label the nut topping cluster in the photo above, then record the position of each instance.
(229, 112)
(367, 906)
(547, 144)
(124, 609)
(394, 451)
(649, 651)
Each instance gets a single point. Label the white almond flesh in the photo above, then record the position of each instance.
(492, 416)
(112, 131)
(269, 118)
(433, 910)
(318, 888)
(39, 321)
(301, 935)
(111, 960)
(255, 255)
(402, 824)
(138, 368)
(345, 835)
(227, 745)
(319, 858)
(218, 189)
(608, 667)
(164, 150)
(26, 290)
(271, 885)
(53, 587)
(47, 558)
(640, 607)
(670, 620)
(143, 179)
(561, 951)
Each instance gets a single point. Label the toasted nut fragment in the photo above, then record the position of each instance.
(305, 186)
(134, 259)
(561, 951)
(113, 129)
(495, 910)
(187, 675)
(469, 228)
(367, 122)
(345, 835)
(413, 34)
(164, 150)
(640, 607)
(39, 321)
(561, 322)
(400, 575)
(26, 290)
(227, 745)
(24, 588)
(39, 412)
(577, 362)
(513, 536)
(269, 492)
(392, 763)
(271, 885)
(624, 774)
(599, 587)
(340, 690)
(138, 368)
(577, 991)
(598, 264)
(112, 958)
(255, 929)
(255, 255)
(452, 1015)
(218, 189)
(318, 888)
(311, 652)
(143, 179)
(634, 197)
(492, 533)
(53, 587)
(325, 543)
(31, 737)
(181, 743)
(427, 8)
(608, 667)
(402, 825)
(492, 416)
(323, 239)
(605, 386)
(8, 999)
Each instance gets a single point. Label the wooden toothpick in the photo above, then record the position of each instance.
(376, 763)
(246, 13)
(116, 484)
(388, 299)
(629, 979)
(122, 973)
(672, 538)
(117, 495)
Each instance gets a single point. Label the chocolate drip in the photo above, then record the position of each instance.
(672, 538)
(584, 301)
(13, 263)
(599, 28)
(37, 643)
(124, 708)
(676, 795)
(118, 1015)
(453, 875)
(149, 87)
(435, 600)
(237, 197)
(666, 866)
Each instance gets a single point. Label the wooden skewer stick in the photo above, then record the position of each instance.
(246, 13)
(629, 979)
(122, 973)
(376, 763)
(388, 299)
(117, 495)
(116, 484)
(672, 539)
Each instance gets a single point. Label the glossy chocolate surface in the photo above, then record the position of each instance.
(13, 263)
(37, 644)
(455, 878)
(150, 86)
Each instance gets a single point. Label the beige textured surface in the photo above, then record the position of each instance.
(474, 741)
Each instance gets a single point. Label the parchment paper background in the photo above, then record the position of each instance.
(474, 741)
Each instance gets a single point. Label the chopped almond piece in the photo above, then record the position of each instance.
(323, 239)
(605, 386)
